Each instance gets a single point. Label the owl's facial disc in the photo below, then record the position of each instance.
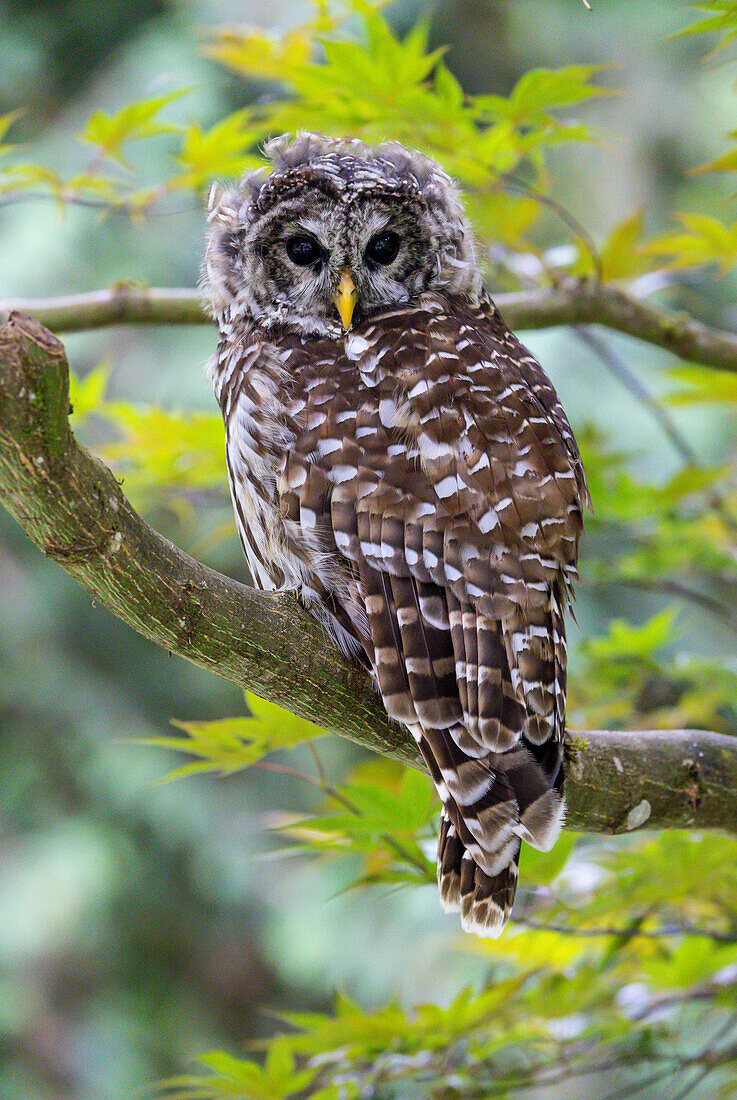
(321, 261)
(282, 242)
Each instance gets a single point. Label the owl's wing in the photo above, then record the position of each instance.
(450, 491)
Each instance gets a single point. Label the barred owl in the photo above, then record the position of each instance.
(400, 461)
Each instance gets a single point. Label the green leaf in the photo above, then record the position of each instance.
(229, 745)
(624, 640)
(132, 122)
(161, 453)
(87, 395)
(232, 1078)
(386, 87)
(726, 163)
(6, 121)
(705, 386)
(254, 54)
(381, 815)
(448, 88)
(540, 91)
(721, 19)
(620, 255)
(706, 241)
(237, 1069)
(541, 868)
(20, 177)
(218, 152)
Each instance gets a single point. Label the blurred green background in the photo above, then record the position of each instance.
(142, 921)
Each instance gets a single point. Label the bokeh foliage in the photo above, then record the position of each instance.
(621, 966)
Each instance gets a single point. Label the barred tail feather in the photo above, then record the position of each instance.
(483, 823)
(499, 779)
(484, 901)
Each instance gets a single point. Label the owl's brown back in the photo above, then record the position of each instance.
(417, 482)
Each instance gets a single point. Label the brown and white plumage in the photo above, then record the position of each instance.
(413, 478)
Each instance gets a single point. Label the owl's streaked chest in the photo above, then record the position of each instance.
(410, 415)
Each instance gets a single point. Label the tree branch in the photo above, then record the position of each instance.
(123, 304)
(72, 507)
(570, 302)
(586, 301)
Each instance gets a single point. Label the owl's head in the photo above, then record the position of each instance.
(335, 231)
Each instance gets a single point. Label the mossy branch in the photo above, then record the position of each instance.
(73, 508)
(569, 302)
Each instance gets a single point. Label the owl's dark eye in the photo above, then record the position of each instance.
(303, 250)
(382, 248)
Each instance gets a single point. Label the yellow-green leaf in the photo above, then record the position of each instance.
(228, 745)
(135, 120)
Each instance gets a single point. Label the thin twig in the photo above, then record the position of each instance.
(628, 933)
(396, 846)
(568, 219)
(709, 1057)
(284, 769)
(684, 592)
(693, 1083)
(704, 992)
(127, 209)
(619, 369)
(640, 1086)
(318, 762)
(722, 1033)
(543, 1076)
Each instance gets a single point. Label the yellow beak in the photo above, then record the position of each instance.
(345, 298)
